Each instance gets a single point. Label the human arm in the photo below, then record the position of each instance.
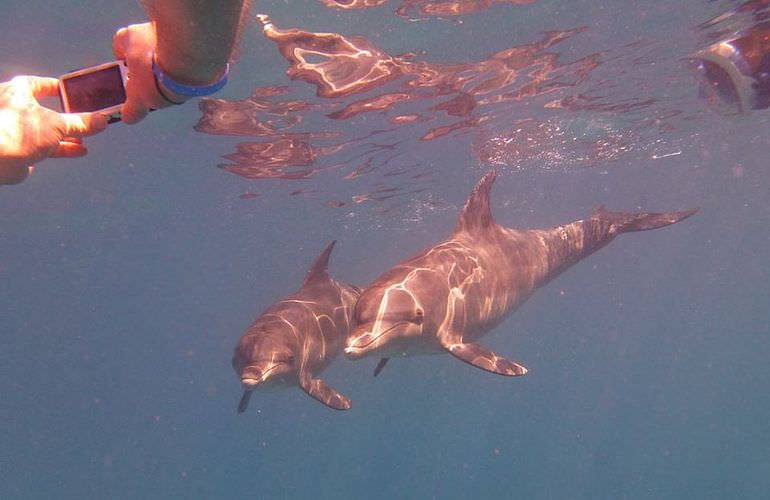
(195, 37)
(30, 132)
(192, 41)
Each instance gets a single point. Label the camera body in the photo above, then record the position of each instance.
(100, 88)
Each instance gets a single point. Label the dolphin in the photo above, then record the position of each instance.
(449, 295)
(297, 337)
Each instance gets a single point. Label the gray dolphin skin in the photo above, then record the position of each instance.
(297, 337)
(449, 295)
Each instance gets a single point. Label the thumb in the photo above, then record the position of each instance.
(71, 148)
(82, 124)
(119, 43)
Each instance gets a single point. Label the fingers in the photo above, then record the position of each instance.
(140, 93)
(43, 86)
(14, 175)
(34, 86)
(135, 44)
(70, 147)
(132, 40)
(82, 124)
(134, 110)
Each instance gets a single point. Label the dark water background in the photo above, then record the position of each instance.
(127, 277)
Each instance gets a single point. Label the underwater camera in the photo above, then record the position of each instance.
(735, 73)
(96, 89)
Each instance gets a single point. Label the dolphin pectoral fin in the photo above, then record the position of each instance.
(244, 403)
(380, 365)
(319, 390)
(481, 357)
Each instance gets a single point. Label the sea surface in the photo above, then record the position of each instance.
(127, 276)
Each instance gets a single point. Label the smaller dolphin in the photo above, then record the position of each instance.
(297, 337)
(447, 296)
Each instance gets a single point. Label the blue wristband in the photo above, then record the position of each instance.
(188, 90)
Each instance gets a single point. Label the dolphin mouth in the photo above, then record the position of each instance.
(362, 342)
(249, 383)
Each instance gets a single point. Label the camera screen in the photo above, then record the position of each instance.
(94, 91)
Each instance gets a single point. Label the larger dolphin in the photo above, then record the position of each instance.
(447, 296)
(297, 337)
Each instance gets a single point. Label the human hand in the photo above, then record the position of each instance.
(30, 132)
(135, 44)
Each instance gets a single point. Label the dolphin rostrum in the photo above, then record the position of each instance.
(297, 337)
(449, 295)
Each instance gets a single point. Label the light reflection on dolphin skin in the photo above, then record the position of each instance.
(297, 337)
(449, 295)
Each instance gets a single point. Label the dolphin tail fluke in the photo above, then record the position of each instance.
(629, 222)
(320, 391)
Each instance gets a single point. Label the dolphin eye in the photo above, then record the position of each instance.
(419, 315)
(290, 358)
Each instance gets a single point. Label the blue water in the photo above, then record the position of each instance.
(126, 278)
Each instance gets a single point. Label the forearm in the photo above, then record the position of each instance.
(195, 38)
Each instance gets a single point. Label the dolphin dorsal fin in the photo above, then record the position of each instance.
(476, 214)
(318, 271)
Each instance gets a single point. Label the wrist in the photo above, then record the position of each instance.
(169, 96)
(181, 89)
(184, 67)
